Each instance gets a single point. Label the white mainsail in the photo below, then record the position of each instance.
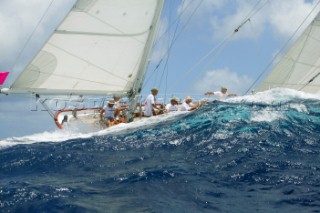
(299, 68)
(100, 48)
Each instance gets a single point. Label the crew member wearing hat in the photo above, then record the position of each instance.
(107, 113)
(222, 94)
(173, 105)
(118, 107)
(187, 105)
(150, 103)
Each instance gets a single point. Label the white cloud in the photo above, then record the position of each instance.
(280, 17)
(224, 16)
(286, 16)
(205, 6)
(19, 19)
(213, 80)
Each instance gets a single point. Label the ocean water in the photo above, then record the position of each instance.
(256, 153)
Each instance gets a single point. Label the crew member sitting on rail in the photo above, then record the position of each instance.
(150, 106)
(222, 94)
(187, 105)
(118, 109)
(107, 114)
(173, 105)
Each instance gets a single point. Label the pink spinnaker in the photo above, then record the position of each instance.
(3, 76)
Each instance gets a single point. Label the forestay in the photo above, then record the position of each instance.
(300, 67)
(101, 47)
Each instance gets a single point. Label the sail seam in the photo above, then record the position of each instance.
(73, 77)
(101, 34)
(88, 62)
(114, 26)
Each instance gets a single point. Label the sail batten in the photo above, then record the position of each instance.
(299, 68)
(99, 48)
(100, 34)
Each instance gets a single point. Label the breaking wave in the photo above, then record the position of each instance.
(250, 154)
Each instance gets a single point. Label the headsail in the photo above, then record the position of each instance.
(300, 67)
(101, 47)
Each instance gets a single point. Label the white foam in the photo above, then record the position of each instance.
(278, 97)
(275, 96)
(266, 116)
(299, 107)
(72, 133)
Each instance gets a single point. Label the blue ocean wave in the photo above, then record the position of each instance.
(235, 156)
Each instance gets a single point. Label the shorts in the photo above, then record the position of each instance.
(109, 118)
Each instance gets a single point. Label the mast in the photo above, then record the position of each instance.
(134, 93)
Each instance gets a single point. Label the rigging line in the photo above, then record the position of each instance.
(256, 11)
(174, 40)
(45, 106)
(160, 37)
(311, 80)
(183, 28)
(168, 7)
(166, 67)
(251, 14)
(172, 24)
(32, 33)
(167, 62)
(220, 47)
(168, 43)
(162, 58)
(214, 57)
(186, 24)
(282, 48)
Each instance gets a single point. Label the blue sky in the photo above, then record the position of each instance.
(202, 26)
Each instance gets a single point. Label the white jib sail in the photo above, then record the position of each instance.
(300, 67)
(101, 47)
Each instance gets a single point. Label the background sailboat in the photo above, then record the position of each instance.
(299, 68)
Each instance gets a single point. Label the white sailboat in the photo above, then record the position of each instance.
(100, 48)
(299, 68)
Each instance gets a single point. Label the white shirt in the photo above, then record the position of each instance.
(148, 105)
(108, 112)
(220, 96)
(185, 106)
(171, 108)
(117, 104)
